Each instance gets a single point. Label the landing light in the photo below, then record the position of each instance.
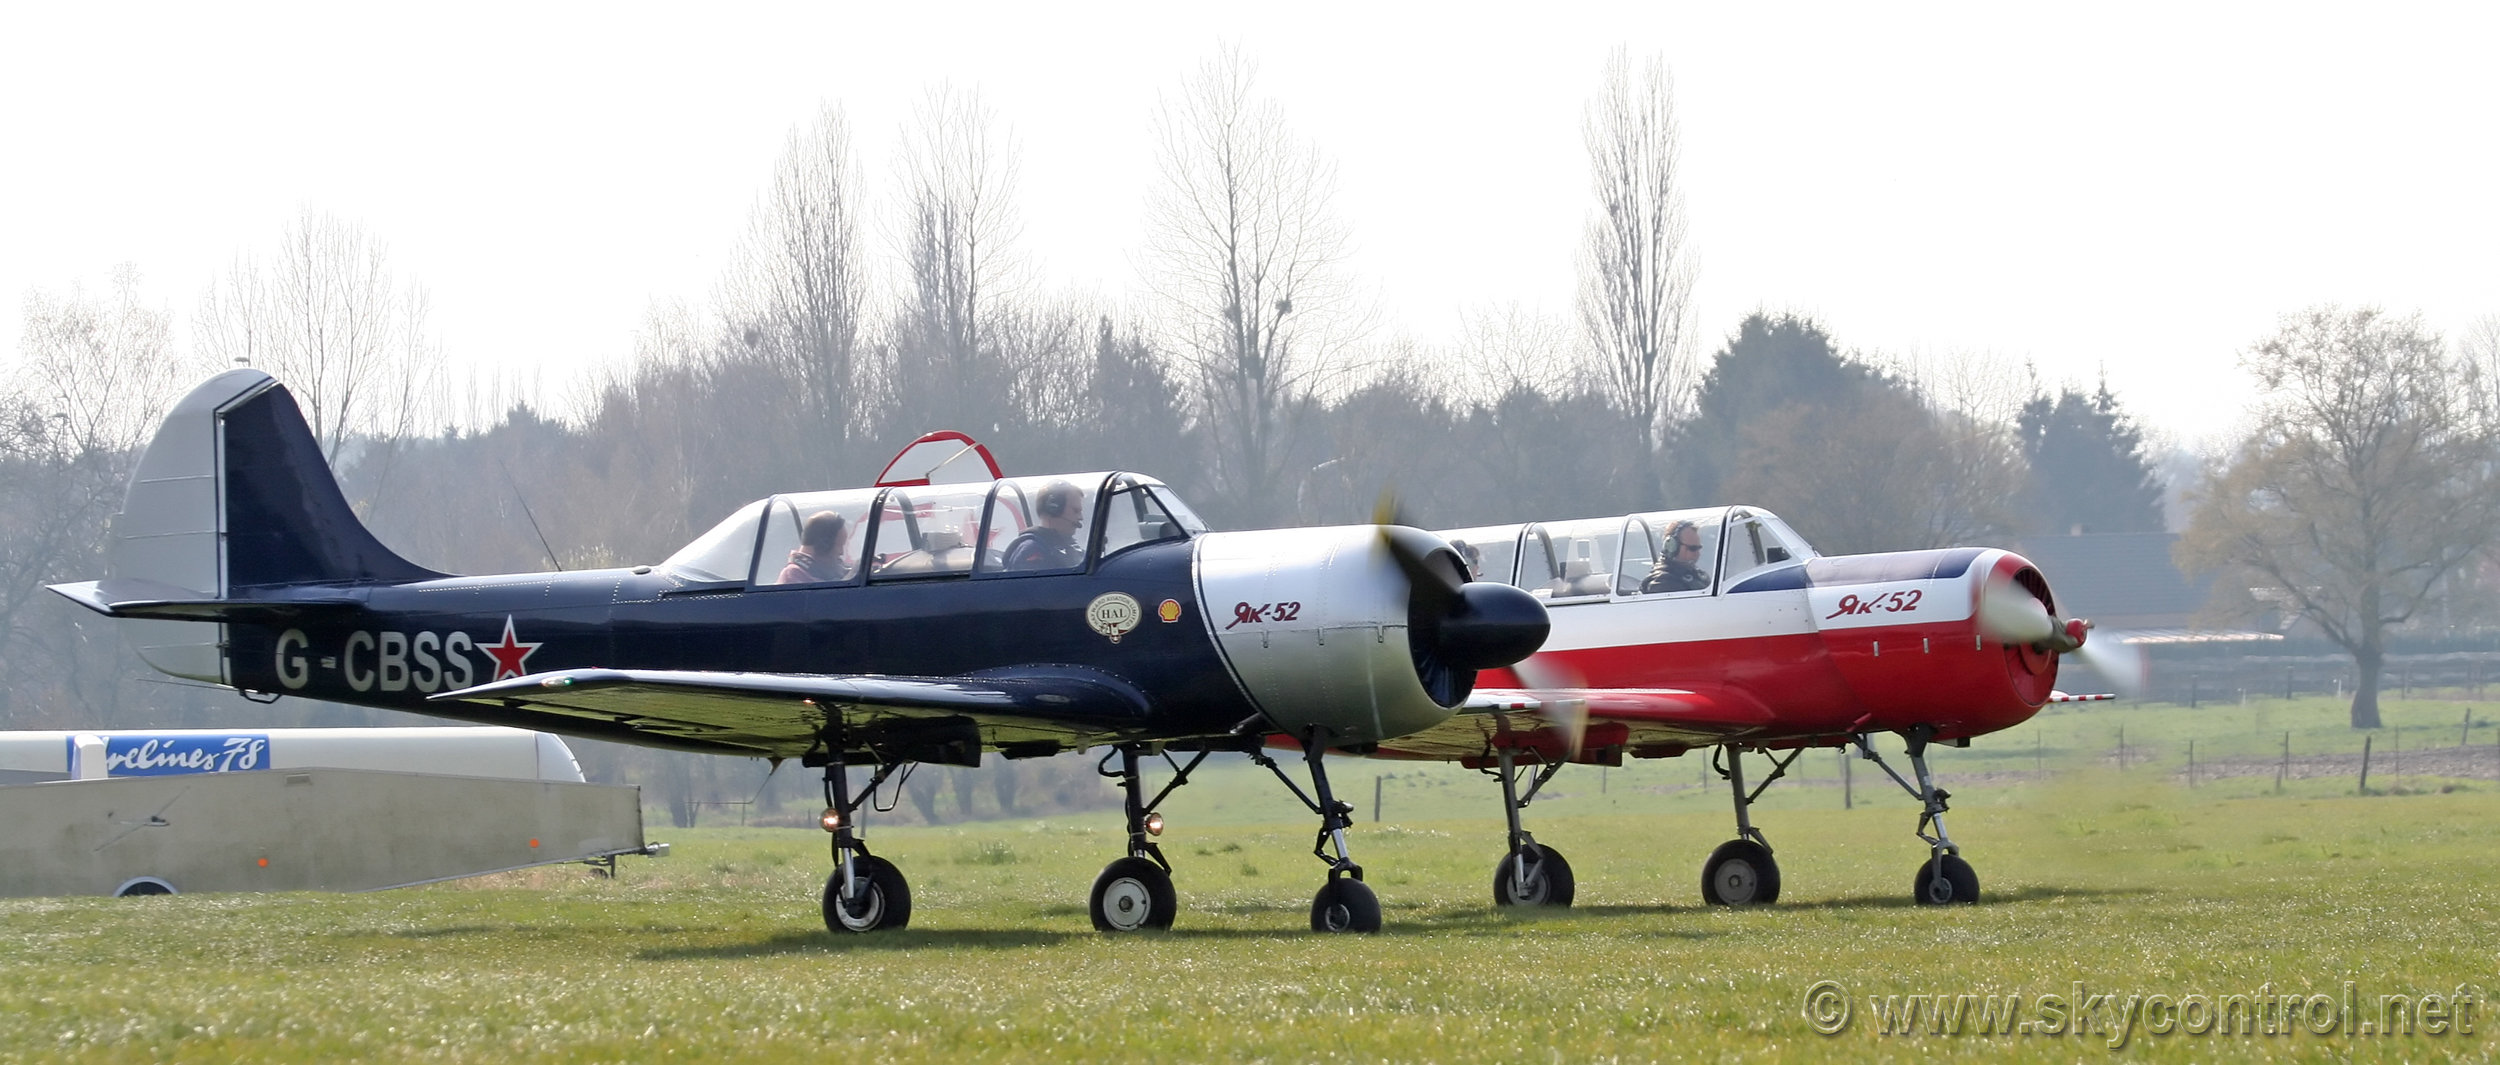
(1154, 824)
(831, 819)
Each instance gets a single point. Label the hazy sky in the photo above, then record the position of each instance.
(2142, 189)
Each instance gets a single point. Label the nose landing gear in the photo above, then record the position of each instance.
(865, 893)
(1944, 878)
(1532, 874)
(1345, 903)
(1741, 872)
(1135, 893)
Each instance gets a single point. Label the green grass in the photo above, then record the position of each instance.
(2127, 882)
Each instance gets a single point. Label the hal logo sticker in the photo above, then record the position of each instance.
(1113, 614)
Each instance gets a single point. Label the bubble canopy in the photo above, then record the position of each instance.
(1010, 527)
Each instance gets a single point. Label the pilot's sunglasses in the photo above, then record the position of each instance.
(1682, 545)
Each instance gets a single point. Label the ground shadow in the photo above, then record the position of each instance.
(824, 942)
(1903, 901)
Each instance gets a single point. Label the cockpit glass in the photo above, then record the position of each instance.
(723, 554)
(925, 531)
(1191, 523)
(814, 537)
(1569, 560)
(1680, 556)
(1135, 514)
(1039, 524)
(1492, 551)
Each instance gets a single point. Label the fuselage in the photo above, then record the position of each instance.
(411, 641)
(1783, 646)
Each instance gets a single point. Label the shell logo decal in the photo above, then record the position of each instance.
(1113, 614)
(1170, 611)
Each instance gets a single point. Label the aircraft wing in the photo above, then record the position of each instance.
(947, 720)
(1617, 717)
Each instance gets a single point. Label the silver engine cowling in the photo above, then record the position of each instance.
(1369, 632)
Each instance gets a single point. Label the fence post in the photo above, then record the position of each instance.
(2365, 765)
(2122, 747)
(2465, 727)
(2286, 766)
(2287, 682)
(1376, 798)
(2192, 690)
(1848, 800)
(2191, 763)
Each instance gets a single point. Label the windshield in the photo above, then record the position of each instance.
(723, 554)
(814, 537)
(1491, 552)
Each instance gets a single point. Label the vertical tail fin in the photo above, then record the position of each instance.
(233, 494)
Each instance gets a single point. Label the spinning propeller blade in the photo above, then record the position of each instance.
(1549, 678)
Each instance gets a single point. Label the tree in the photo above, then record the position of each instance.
(1770, 362)
(2088, 466)
(797, 298)
(326, 314)
(94, 377)
(958, 173)
(2369, 479)
(1636, 276)
(1245, 255)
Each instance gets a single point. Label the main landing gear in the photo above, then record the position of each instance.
(1345, 903)
(865, 893)
(1532, 874)
(1944, 878)
(1135, 892)
(1742, 872)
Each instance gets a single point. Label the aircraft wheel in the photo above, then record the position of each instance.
(1740, 873)
(1345, 905)
(883, 901)
(1548, 882)
(1132, 894)
(1946, 880)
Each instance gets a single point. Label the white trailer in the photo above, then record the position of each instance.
(166, 811)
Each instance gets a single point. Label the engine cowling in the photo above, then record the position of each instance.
(1907, 633)
(1329, 627)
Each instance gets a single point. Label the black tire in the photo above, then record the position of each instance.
(144, 885)
(1345, 905)
(1958, 882)
(883, 902)
(1132, 895)
(1740, 873)
(1549, 880)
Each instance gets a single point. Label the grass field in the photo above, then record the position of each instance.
(2126, 882)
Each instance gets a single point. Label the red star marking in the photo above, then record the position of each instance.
(511, 656)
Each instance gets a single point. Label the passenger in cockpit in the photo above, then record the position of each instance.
(1679, 569)
(1058, 512)
(820, 556)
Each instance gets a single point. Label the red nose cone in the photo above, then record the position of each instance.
(2076, 628)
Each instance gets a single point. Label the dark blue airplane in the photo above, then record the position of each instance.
(913, 622)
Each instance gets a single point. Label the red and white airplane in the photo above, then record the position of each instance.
(1722, 628)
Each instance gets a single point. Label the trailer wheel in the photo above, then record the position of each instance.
(143, 885)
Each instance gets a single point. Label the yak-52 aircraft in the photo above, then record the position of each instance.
(918, 621)
(1722, 628)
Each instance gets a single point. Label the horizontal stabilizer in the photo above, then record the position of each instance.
(134, 597)
(2062, 697)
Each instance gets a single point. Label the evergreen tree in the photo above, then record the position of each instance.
(1771, 363)
(2088, 466)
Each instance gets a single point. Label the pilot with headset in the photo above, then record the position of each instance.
(1051, 543)
(1679, 570)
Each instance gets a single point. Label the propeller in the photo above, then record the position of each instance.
(1471, 625)
(1548, 677)
(2013, 614)
(2120, 662)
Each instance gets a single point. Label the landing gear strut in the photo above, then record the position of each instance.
(1742, 872)
(866, 892)
(1944, 877)
(1532, 874)
(1345, 903)
(1135, 892)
